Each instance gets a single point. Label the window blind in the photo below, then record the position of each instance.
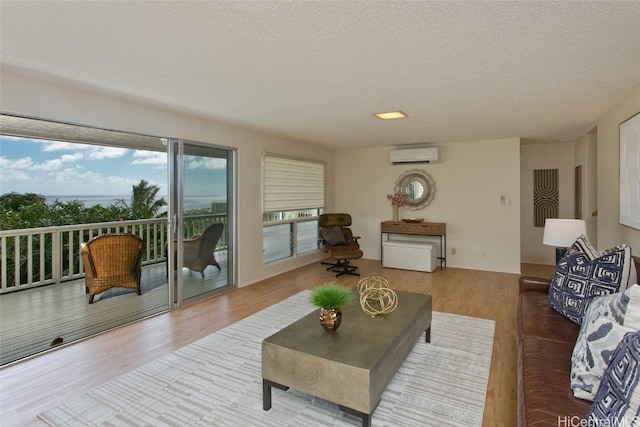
(292, 184)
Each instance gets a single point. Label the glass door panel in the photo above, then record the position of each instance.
(206, 220)
(70, 216)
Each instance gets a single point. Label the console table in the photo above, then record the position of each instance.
(436, 229)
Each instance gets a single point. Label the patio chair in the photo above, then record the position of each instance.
(112, 261)
(199, 250)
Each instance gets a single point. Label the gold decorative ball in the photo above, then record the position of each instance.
(372, 282)
(376, 297)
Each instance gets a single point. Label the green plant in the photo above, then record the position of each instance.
(330, 295)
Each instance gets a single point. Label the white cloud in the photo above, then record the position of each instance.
(10, 175)
(70, 158)
(17, 170)
(49, 146)
(55, 168)
(67, 176)
(81, 181)
(149, 158)
(25, 164)
(119, 180)
(4, 162)
(99, 153)
(94, 152)
(206, 163)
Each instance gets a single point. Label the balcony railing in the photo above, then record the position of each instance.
(51, 255)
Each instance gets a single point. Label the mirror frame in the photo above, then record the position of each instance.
(423, 178)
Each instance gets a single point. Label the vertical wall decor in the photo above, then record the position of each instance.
(578, 193)
(545, 195)
(630, 172)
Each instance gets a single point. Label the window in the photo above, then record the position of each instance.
(293, 197)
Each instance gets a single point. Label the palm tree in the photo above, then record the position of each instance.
(143, 201)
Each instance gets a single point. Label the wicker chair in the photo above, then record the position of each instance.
(199, 250)
(111, 261)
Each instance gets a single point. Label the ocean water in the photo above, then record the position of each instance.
(194, 202)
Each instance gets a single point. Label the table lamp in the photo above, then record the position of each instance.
(562, 233)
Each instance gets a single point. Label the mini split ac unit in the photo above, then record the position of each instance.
(414, 155)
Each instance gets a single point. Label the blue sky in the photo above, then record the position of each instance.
(69, 169)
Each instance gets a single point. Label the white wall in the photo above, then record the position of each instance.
(610, 232)
(600, 156)
(470, 179)
(47, 98)
(544, 155)
(587, 156)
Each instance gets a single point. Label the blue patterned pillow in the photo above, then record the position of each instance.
(618, 399)
(605, 323)
(584, 273)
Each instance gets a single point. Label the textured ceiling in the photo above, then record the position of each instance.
(317, 71)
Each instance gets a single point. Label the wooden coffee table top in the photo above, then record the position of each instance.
(360, 339)
(362, 355)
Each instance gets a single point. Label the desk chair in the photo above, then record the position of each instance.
(339, 242)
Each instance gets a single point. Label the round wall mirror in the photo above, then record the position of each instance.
(419, 188)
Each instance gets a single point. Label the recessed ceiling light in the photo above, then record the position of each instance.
(391, 115)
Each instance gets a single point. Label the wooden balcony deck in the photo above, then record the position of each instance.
(34, 320)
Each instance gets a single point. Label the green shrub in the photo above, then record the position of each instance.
(330, 295)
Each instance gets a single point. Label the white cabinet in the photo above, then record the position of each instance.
(414, 245)
(420, 256)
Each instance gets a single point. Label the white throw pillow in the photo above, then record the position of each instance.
(607, 319)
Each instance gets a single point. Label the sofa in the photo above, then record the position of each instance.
(545, 343)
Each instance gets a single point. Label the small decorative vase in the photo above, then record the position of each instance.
(396, 213)
(330, 319)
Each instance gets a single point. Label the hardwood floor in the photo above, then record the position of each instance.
(31, 386)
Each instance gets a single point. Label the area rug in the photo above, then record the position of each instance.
(216, 381)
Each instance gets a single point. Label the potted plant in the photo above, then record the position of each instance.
(397, 200)
(330, 297)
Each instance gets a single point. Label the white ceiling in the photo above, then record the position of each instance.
(317, 71)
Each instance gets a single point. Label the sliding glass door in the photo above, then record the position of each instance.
(68, 195)
(64, 185)
(203, 219)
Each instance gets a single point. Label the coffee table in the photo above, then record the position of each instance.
(351, 366)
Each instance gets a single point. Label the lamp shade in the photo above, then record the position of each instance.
(563, 232)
